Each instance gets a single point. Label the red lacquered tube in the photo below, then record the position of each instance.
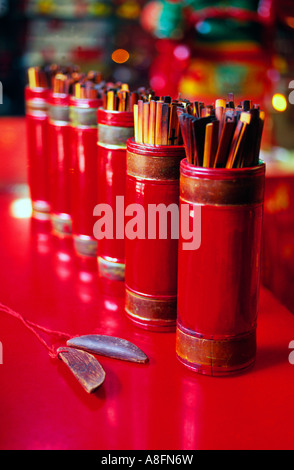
(60, 162)
(218, 283)
(114, 129)
(38, 151)
(151, 262)
(83, 118)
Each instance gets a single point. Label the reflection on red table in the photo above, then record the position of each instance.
(161, 405)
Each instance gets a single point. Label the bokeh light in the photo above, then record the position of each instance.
(120, 56)
(279, 102)
(182, 52)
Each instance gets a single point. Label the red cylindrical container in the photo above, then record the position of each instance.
(38, 152)
(114, 129)
(151, 257)
(83, 118)
(218, 281)
(60, 162)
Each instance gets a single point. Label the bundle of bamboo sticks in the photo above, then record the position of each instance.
(43, 77)
(86, 86)
(118, 97)
(222, 135)
(67, 80)
(218, 135)
(38, 78)
(156, 120)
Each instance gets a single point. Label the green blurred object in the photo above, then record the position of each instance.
(215, 30)
(249, 5)
(171, 23)
(231, 77)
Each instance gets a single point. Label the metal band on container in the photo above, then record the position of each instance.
(151, 309)
(59, 115)
(219, 355)
(83, 117)
(245, 191)
(111, 270)
(85, 245)
(113, 136)
(153, 167)
(37, 108)
(40, 210)
(41, 206)
(61, 223)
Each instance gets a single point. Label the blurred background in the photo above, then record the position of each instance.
(196, 47)
(199, 48)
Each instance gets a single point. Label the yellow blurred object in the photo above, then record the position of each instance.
(46, 7)
(279, 102)
(129, 9)
(100, 9)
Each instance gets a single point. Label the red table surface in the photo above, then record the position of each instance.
(157, 406)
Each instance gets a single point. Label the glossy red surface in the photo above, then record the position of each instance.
(36, 93)
(111, 177)
(84, 179)
(13, 144)
(115, 118)
(85, 103)
(161, 405)
(151, 264)
(228, 289)
(112, 183)
(60, 166)
(38, 158)
(158, 406)
(59, 99)
(218, 283)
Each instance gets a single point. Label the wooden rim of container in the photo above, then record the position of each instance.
(41, 206)
(111, 269)
(160, 168)
(85, 245)
(36, 108)
(216, 356)
(61, 223)
(85, 103)
(222, 187)
(155, 150)
(59, 99)
(114, 137)
(36, 94)
(59, 115)
(82, 117)
(151, 310)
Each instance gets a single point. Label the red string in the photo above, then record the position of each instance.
(33, 327)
